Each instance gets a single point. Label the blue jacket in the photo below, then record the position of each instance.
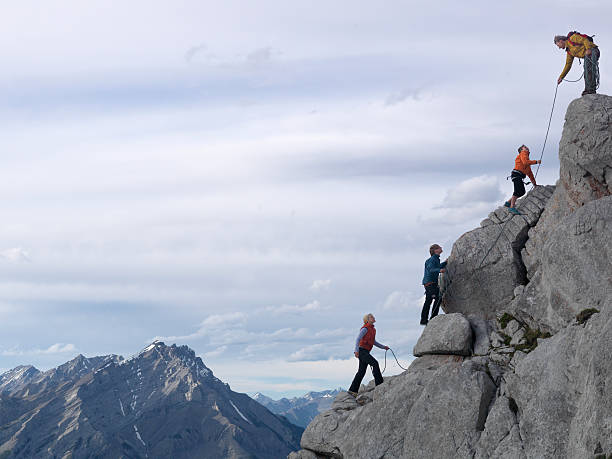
(432, 269)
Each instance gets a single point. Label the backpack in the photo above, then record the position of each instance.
(569, 34)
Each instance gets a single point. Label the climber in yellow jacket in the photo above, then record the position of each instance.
(581, 46)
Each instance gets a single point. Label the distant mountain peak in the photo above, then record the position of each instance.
(161, 402)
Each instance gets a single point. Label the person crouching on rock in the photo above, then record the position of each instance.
(522, 169)
(433, 268)
(581, 46)
(366, 339)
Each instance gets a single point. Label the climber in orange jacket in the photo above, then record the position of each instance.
(522, 169)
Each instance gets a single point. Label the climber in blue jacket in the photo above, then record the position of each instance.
(433, 268)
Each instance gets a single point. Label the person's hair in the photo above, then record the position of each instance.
(558, 38)
(433, 248)
(366, 317)
(521, 147)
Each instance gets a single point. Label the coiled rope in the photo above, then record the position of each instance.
(397, 361)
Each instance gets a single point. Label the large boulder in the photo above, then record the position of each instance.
(445, 334)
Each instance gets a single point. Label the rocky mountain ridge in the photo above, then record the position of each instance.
(162, 402)
(519, 365)
(300, 410)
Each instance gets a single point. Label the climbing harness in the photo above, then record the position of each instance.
(397, 361)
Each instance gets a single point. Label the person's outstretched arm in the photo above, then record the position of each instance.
(381, 346)
(569, 60)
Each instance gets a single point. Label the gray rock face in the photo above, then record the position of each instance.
(164, 402)
(585, 157)
(445, 334)
(562, 391)
(438, 405)
(485, 264)
(522, 393)
(575, 272)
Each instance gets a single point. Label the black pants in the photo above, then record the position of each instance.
(432, 292)
(366, 359)
(519, 185)
(591, 71)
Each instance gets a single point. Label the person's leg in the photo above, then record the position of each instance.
(519, 190)
(589, 83)
(438, 300)
(378, 379)
(363, 365)
(425, 311)
(590, 71)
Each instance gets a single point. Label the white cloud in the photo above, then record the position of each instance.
(473, 191)
(57, 348)
(15, 254)
(289, 308)
(310, 353)
(261, 56)
(319, 285)
(215, 353)
(399, 300)
(216, 320)
(401, 96)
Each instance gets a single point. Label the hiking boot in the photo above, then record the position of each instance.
(350, 392)
(514, 211)
(507, 204)
(588, 91)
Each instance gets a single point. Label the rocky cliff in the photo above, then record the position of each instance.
(519, 367)
(163, 402)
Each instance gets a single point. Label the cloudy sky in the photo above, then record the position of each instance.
(250, 178)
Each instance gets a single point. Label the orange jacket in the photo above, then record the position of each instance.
(523, 163)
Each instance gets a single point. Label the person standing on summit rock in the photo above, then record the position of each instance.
(433, 268)
(522, 169)
(581, 46)
(366, 339)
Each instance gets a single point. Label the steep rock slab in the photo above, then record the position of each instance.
(575, 271)
(562, 391)
(485, 264)
(445, 334)
(585, 156)
(436, 408)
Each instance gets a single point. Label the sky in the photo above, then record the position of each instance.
(250, 178)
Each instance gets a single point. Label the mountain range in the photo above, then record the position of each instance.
(300, 410)
(163, 402)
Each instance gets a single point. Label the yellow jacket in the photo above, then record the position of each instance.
(576, 46)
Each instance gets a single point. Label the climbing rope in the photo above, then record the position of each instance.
(575, 81)
(547, 131)
(596, 76)
(397, 361)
